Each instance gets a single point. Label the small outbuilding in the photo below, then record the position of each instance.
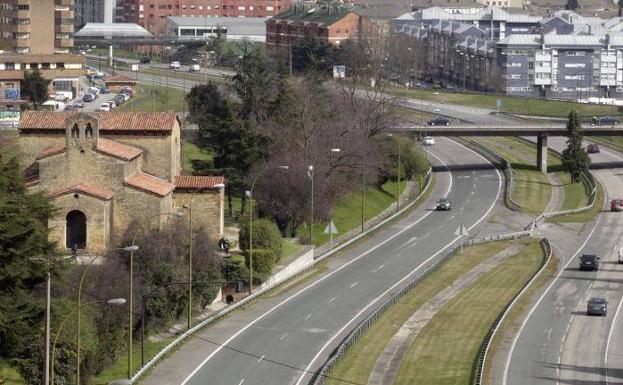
(116, 83)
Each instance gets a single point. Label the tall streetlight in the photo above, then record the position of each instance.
(132, 249)
(397, 173)
(190, 251)
(114, 301)
(249, 195)
(331, 152)
(310, 174)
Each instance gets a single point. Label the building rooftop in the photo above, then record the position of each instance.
(118, 150)
(198, 182)
(107, 121)
(150, 183)
(234, 25)
(87, 189)
(110, 30)
(323, 15)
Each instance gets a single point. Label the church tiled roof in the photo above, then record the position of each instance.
(197, 182)
(85, 188)
(113, 121)
(51, 151)
(150, 183)
(118, 150)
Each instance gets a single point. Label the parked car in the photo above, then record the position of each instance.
(145, 60)
(71, 107)
(429, 141)
(128, 91)
(175, 65)
(195, 68)
(104, 90)
(443, 204)
(621, 255)
(87, 98)
(112, 104)
(78, 103)
(94, 90)
(616, 205)
(592, 148)
(597, 306)
(439, 121)
(604, 121)
(105, 107)
(589, 262)
(119, 99)
(59, 97)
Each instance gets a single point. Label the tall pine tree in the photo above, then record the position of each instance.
(575, 160)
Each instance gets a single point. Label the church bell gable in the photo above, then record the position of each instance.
(81, 131)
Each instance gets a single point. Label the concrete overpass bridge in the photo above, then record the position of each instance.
(540, 131)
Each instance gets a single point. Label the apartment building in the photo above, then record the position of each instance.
(562, 55)
(37, 34)
(152, 14)
(98, 11)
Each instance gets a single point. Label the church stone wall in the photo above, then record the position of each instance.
(134, 205)
(97, 212)
(207, 210)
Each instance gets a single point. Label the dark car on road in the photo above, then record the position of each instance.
(589, 262)
(88, 98)
(592, 148)
(604, 121)
(597, 306)
(145, 60)
(439, 121)
(443, 204)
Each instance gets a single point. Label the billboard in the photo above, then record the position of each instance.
(339, 72)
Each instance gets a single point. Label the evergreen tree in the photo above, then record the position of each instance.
(35, 88)
(26, 254)
(571, 5)
(574, 158)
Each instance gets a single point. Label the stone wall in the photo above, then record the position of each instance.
(97, 212)
(207, 208)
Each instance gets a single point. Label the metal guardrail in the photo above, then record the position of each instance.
(174, 344)
(480, 370)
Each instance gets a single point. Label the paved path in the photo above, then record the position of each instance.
(388, 362)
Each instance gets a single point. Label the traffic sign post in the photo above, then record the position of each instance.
(462, 232)
(331, 229)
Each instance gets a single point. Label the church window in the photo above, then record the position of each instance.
(76, 232)
(89, 131)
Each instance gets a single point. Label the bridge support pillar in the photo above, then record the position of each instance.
(541, 153)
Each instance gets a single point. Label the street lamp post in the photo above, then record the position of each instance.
(131, 249)
(190, 252)
(310, 174)
(114, 301)
(331, 152)
(249, 195)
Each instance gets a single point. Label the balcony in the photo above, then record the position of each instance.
(18, 28)
(64, 43)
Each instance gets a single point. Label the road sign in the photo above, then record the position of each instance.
(331, 229)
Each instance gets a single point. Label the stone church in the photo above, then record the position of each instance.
(105, 171)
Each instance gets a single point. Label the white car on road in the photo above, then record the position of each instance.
(429, 141)
(175, 65)
(105, 107)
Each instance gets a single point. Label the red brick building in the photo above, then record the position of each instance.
(332, 24)
(152, 14)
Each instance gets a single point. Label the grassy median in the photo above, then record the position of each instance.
(153, 98)
(357, 365)
(445, 350)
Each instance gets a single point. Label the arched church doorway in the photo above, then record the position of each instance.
(76, 230)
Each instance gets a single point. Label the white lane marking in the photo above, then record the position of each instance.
(321, 279)
(487, 176)
(331, 299)
(284, 335)
(241, 382)
(533, 309)
(330, 341)
(378, 268)
(261, 358)
(463, 177)
(307, 316)
(614, 321)
(353, 285)
(452, 216)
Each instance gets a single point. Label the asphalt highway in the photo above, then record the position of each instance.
(272, 345)
(558, 343)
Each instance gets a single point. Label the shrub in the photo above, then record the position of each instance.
(267, 245)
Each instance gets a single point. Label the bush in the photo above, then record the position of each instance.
(267, 245)
(412, 160)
